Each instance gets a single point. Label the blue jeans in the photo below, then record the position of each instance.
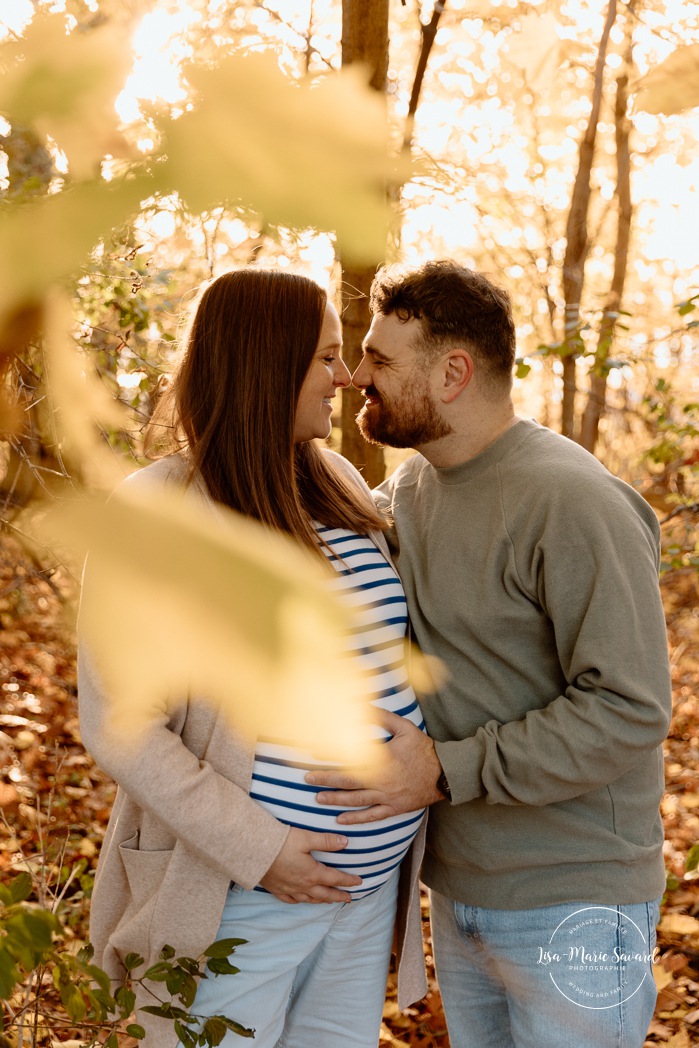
(572, 976)
(312, 975)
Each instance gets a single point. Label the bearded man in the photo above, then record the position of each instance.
(532, 574)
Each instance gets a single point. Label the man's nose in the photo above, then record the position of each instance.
(360, 377)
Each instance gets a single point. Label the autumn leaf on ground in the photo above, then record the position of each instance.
(679, 1040)
(679, 924)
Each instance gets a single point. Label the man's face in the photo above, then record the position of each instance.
(400, 409)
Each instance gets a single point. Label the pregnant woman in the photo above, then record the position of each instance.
(213, 836)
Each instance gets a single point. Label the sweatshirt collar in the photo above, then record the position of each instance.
(494, 453)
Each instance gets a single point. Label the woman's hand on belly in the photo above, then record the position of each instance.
(295, 876)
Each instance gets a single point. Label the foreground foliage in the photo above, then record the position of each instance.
(38, 972)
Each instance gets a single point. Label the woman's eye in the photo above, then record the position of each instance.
(329, 360)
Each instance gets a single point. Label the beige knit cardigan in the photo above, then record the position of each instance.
(183, 826)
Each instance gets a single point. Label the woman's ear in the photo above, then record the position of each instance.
(456, 374)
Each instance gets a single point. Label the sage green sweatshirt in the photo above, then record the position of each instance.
(532, 573)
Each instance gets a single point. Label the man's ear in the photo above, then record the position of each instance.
(457, 372)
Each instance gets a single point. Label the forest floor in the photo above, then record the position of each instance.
(55, 803)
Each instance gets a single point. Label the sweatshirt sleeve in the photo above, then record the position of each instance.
(592, 567)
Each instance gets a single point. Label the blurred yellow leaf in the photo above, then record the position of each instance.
(535, 49)
(43, 242)
(306, 153)
(65, 85)
(183, 600)
(673, 86)
(427, 673)
(80, 402)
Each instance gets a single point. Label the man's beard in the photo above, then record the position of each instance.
(409, 422)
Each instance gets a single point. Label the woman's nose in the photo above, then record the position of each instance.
(342, 375)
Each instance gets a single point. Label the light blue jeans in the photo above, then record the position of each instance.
(572, 976)
(312, 975)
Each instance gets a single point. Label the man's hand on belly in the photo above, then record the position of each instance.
(405, 779)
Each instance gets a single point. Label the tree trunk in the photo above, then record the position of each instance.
(577, 244)
(364, 39)
(597, 397)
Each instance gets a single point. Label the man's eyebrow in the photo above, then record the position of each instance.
(371, 351)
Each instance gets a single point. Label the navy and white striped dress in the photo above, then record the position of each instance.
(370, 586)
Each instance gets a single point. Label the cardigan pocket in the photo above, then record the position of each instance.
(145, 872)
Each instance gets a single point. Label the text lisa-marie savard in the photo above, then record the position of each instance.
(579, 955)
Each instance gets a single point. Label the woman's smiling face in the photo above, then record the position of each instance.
(326, 373)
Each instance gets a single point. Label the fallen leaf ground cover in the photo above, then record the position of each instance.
(55, 802)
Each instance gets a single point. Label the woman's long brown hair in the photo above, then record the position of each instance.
(250, 344)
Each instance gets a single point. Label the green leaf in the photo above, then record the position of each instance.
(133, 960)
(158, 972)
(99, 976)
(167, 953)
(185, 1035)
(73, 1002)
(29, 934)
(134, 1030)
(126, 999)
(168, 1011)
(242, 1031)
(21, 888)
(105, 1000)
(112, 1041)
(522, 369)
(100, 1005)
(86, 953)
(214, 1031)
(222, 966)
(188, 990)
(223, 947)
(173, 981)
(671, 881)
(692, 860)
(164, 1011)
(9, 973)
